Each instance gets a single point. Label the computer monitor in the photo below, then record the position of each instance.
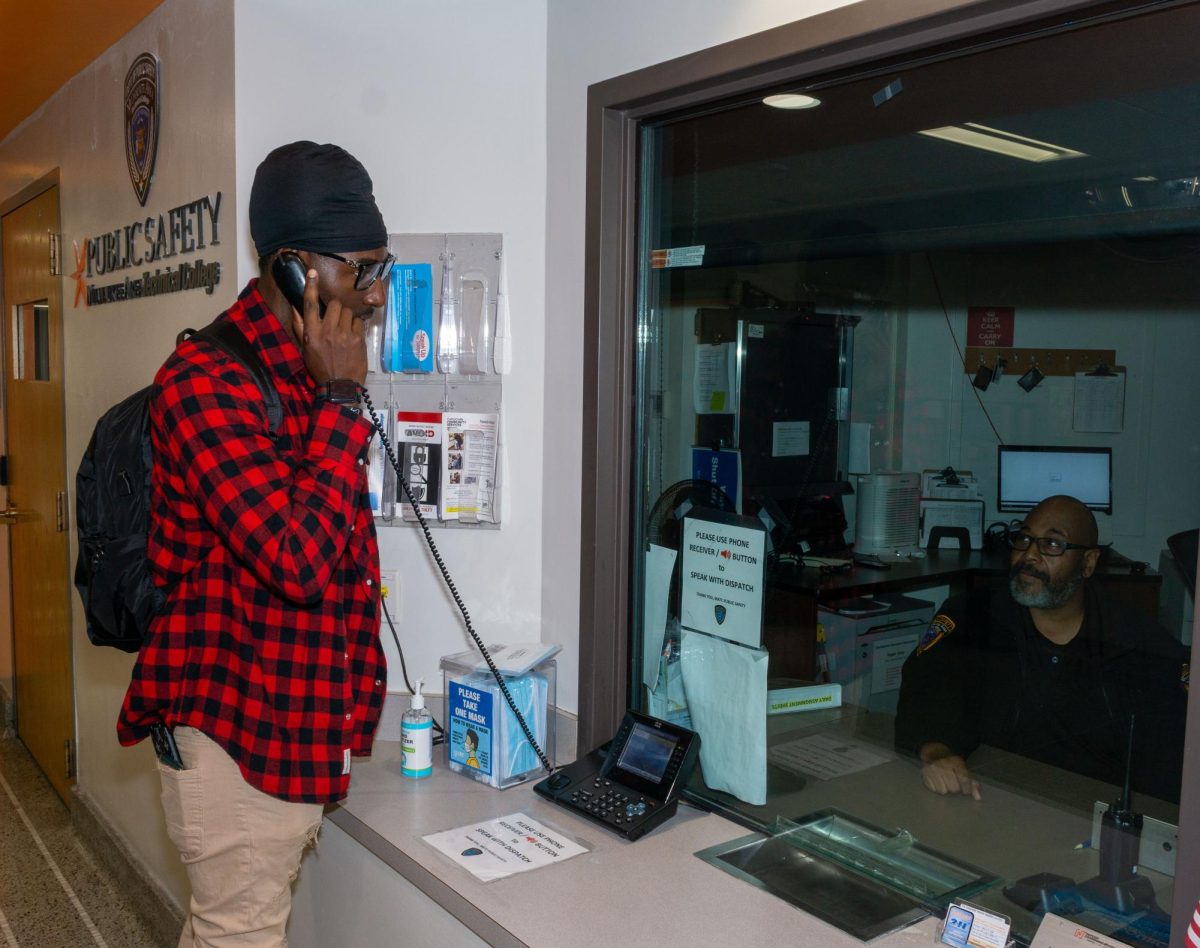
(1031, 473)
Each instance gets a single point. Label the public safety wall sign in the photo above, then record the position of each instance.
(140, 258)
(152, 241)
(724, 573)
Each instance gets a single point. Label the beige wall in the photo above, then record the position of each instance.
(114, 349)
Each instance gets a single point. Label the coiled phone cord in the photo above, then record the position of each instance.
(437, 558)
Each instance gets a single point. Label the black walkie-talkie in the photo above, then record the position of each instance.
(1118, 885)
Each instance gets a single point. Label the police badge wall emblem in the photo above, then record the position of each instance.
(141, 122)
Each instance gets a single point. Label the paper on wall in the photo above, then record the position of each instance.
(724, 577)
(660, 563)
(790, 439)
(1099, 402)
(713, 390)
(726, 688)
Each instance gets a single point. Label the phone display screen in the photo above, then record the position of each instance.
(646, 753)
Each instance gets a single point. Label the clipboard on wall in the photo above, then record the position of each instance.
(1099, 400)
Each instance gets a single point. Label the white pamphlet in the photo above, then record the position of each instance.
(469, 466)
(826, 756)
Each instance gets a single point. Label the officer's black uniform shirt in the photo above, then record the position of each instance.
(983, 674)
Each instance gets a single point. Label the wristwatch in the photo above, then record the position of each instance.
(339, 391)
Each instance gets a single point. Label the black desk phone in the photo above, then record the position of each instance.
(634, 785)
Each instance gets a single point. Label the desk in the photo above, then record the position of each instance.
(793, 594)
(1030, 820)
(372, 881)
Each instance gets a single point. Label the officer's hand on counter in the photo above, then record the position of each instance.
(944, 771)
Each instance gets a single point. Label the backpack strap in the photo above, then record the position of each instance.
(229, 339)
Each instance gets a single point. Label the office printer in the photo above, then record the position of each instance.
(951, 510)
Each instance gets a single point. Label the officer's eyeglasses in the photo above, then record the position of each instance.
(1047, 546)
(366, 271)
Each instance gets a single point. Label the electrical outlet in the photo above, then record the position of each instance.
(389, 585)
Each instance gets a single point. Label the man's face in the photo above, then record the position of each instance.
(335, 281)
(1038, 581)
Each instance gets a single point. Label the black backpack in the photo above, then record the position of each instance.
(112, 504)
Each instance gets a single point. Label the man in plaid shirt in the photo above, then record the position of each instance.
(266, 660)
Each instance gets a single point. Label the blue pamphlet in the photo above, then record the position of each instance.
(722, 468)
(408, 345)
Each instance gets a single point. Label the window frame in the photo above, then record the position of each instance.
(861, 37)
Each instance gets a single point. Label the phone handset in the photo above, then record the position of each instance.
(290, 276)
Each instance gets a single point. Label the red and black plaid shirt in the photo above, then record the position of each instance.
(269, 642)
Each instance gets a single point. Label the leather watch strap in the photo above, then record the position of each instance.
(339, 391)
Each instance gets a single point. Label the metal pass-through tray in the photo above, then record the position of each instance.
(849, 873)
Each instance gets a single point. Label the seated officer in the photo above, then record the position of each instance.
(1047, 667)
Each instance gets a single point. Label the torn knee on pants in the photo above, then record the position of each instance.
(310, 840)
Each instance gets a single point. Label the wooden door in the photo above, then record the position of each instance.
(37, 500)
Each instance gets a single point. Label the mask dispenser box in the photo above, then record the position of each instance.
(484, 740)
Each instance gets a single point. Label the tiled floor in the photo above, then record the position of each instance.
(53, 893)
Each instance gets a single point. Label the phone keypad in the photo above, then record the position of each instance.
(612, 804)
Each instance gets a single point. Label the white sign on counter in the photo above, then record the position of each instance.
(724, 571)
(506, 845)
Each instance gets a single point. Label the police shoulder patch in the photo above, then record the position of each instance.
(941, 626)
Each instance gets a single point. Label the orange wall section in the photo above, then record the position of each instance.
(44, 43)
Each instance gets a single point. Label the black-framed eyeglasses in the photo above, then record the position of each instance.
(366, 271)
(1019, 540)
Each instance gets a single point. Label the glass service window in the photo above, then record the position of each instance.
(844, 311)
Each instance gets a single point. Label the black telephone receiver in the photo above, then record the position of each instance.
(290, 275)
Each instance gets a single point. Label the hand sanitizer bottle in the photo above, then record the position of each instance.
(416, 737)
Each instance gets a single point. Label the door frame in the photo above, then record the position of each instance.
(8, 709)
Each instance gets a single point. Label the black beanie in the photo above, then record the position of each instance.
(314, 197)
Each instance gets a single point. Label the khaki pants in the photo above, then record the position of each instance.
(241, 847)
